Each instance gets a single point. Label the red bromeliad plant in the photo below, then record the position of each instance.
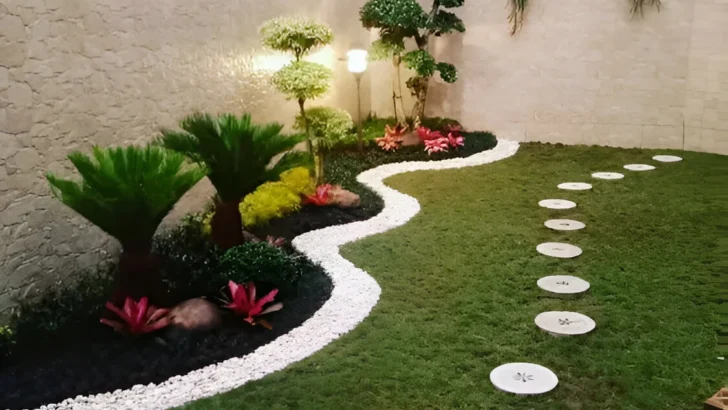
(435, 141)
(454, 136)
(244, 303)
(393, 137)
(436, 145)
(427, 134)
(321, 197)
(138, 317)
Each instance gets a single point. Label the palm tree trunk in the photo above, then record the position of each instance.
(227, 225)
(139, 275)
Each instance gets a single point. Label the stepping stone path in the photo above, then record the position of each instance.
(563, 284)
(523, 378)
(575, 186)
(666, 158)
(639, 167)
(565, 323)
(559, 250)
(607, 175)
(557, 204)
(564, 225)
(529, 378)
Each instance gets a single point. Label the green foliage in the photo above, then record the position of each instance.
(382, 50)
(448, 72)
(451, 3)
(236, 151)
(303, 80)
(638, 6)
(445, 22)
(266, 264)
(270, 201)
(518, 7)
(296, 35)
(420, 61)
(328, 125)
(126, 191)
(299, 180)
(403, 16)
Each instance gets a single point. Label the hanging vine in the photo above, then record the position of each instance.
(517, 7)
(638, 6)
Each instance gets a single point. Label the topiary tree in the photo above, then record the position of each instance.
(398, 20)
(127, 192)
(300, 80)
(238, 154)
(327, 126)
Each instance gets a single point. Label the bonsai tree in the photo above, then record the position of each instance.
(299, 80)
(238, 155)
(327, 126)
(398, 20)
(127, 192)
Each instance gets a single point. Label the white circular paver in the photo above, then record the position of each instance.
(607, 175)
(565, 323)
(559, 250)
(564, 224)
(563, 284)
(523, 378)
(639, 167)
(667, 158)
(575, 186)
(557, 204)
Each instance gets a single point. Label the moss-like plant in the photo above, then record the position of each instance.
(238, 154)
(127, 192)
(398, 20)
(327, 126)
(300, 80)
(271, 200)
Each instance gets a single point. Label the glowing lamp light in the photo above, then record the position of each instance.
(357, 61)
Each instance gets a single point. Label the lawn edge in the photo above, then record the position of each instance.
(354, 295)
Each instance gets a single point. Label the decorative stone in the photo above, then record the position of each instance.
(607, 175)
(345, 199)
(557, 204)
(564, 225)
(639, 167)
(523, 378)
(559, 250)
(563, 284)
(667, 158)
(575, 186)
(196, 315)
(565, 323)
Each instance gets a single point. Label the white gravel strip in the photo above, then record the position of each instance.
(354, 295)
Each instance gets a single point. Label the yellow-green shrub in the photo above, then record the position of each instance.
(299, 181)
(271, 200)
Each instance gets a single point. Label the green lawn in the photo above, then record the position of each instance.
(459, 292)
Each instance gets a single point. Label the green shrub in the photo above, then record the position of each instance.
(296, 35)
(299, 181)
(270, 201)
(264, 264)
(303, 80)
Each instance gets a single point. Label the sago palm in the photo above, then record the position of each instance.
(238, 155)
(127, 192)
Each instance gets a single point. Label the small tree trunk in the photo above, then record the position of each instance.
(227, 225)
(138, 276)
(399, 112)
(418, 86)
(309, 144)
(319, 167)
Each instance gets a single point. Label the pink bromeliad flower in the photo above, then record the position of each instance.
(137, 317)
(427, 134)
(436, 145)
(455, 141)
(245, 303)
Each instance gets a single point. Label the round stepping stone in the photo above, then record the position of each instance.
(559, 250)
(575, 186)
(607, 175)
(563, 284)
(667, 158)
(557, 204)
(565, 323)
(639, 167)
(564, 225)
(523, 378)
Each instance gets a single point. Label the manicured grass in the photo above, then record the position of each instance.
(459, 292)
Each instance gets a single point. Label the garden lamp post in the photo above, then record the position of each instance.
(357, 64)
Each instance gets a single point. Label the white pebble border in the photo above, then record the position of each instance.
(354, 295)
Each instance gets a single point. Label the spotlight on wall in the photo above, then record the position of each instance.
(357, 64)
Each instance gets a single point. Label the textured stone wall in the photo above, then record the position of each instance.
(585, 72)
(74, 73)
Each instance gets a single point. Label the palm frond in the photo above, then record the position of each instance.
(236, 151)
(638, 6)
(518, 8)
(126, 191)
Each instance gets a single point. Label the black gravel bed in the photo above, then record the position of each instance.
(311, 218)
(109, 362)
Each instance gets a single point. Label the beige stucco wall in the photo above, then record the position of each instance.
(585, 72)
(79, 72)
